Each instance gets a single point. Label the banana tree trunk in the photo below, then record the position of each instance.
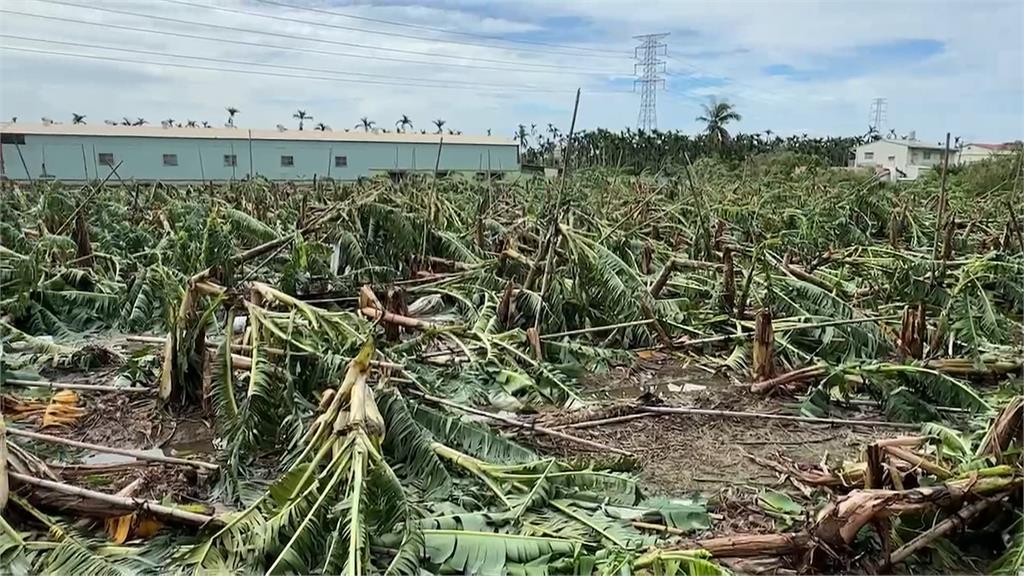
(764, 346)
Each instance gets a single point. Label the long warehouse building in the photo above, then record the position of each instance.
(88, 152)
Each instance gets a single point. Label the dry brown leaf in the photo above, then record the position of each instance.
(63, 410)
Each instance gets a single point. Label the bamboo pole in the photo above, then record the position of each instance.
(72, 386)
(137, 454)
(153, 508)
(603, 421)
(785, 417)
(595, 329)
(957, 520)
(520, 424)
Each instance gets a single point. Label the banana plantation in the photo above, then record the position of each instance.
(763, 367)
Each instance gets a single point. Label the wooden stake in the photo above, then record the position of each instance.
(533, 338)
(728, 281)
(764, 346)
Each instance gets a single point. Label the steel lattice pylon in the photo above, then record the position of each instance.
(649, 67)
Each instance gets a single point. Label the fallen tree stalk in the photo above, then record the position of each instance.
(954, 521)
(137, 454)
(154, 508)
(786, 417)
(73, 386)
(520, 424)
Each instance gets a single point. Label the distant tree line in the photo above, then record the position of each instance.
(638, 150)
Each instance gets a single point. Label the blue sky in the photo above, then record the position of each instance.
(800, 66)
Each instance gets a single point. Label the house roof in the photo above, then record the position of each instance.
(996, 147)
(908, 143)
(245, 134)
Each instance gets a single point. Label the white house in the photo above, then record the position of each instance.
(902, 159)
(976, 151)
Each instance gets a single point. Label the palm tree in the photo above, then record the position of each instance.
(322, 127)
(522, 136)
(140, 122)
(169, 122)
(716, 115)
(77, 118)
(125, 121)
(191, 124)
(301, 116)
(403, 122)
(231, 116)
(366, 124)
(440, 126)
(206, 124)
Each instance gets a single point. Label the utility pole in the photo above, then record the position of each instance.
(879, 108)
(649, 67)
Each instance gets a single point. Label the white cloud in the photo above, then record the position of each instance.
(974, 88)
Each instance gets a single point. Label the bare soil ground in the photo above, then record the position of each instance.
(684, 454)
(134, 422)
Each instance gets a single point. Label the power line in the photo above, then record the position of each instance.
(263, 65)
(616, 53)
(647, 55)
(293, 37)
(364, 30)
(292, 48)
(254, 72)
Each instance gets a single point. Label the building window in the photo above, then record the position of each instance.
(340, 161)
(170, 159)
(869, 155)
(12, 138)
(927, 155)
(892, 158)
(230, 160)
(287, 160)
(106, 158)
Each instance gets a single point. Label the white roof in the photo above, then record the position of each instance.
(245, 134)
(907, 143)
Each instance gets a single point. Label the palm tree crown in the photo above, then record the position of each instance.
(718, 113)
(366, 124)
(77, 118)
(403, 122)
(301, 116)
(440, 125)
(231, 115)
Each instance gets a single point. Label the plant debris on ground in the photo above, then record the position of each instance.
(733, 367)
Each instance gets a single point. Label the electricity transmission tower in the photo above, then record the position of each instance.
(649, 67)
(879, 108)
